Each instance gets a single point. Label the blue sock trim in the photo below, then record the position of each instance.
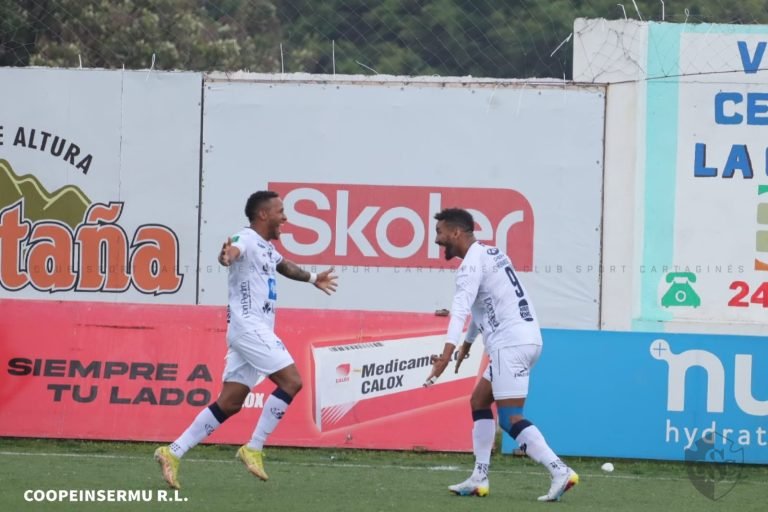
(482, 414)
(282, 395)
(217, 412)
(504, 415)
(519, 427)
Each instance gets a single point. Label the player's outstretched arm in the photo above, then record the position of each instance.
(228, 253)
(325, 280)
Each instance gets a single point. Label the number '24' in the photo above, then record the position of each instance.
(760, 296)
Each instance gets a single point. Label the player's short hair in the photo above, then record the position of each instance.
(257, 201)
(458, 218)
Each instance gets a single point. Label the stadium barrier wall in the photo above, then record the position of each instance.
(686, 397)
(137, 372)
(685, 214)
(110, 221)
(90, 370)
(364, 165)
(99, 185)
(124, 194)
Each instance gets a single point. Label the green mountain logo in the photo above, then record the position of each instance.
(67, 204)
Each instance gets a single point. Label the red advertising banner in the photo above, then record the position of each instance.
(392, 226)
(92, 370)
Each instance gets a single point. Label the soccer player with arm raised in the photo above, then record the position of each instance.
(253, 348)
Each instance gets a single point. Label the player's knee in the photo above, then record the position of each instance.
(230, 408)
(479, 401)
(222, 410)
(517, 427)
(293, 386)
(297, 385)
(475, 403)
(510, 418)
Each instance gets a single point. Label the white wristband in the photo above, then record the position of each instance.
(312, 278)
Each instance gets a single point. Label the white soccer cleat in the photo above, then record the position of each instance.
(471, 487)
(560, 484)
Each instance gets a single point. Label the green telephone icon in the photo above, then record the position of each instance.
(680, 292)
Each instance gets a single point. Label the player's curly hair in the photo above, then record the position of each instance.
(457, 217)
(258, 200)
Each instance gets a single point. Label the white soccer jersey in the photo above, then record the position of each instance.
(488, 288)
(252, 284)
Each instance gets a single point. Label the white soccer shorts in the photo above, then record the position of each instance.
(255, 355)
(509, 370)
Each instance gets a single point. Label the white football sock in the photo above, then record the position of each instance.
(532, 442)
(274, 409)
(483, 435)
(204, 425)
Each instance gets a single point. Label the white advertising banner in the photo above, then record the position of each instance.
(705, 256)
(359, 382)
(99, 175)
(363, 167)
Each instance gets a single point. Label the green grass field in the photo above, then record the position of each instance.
(349, 480)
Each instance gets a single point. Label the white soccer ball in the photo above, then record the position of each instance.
(607, 467)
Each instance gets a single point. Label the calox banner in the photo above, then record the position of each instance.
(138, 372)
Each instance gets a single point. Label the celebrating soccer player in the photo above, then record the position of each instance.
(488, 288)
(253, 349)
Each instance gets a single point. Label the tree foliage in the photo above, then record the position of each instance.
(181, 34)
(493, 38)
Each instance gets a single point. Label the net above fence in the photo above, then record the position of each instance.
(481, 38)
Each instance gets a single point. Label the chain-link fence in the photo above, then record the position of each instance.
(488, 38)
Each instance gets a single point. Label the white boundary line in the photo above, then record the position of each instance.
(331, 464)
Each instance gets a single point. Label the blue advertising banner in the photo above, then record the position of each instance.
(651, 396)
